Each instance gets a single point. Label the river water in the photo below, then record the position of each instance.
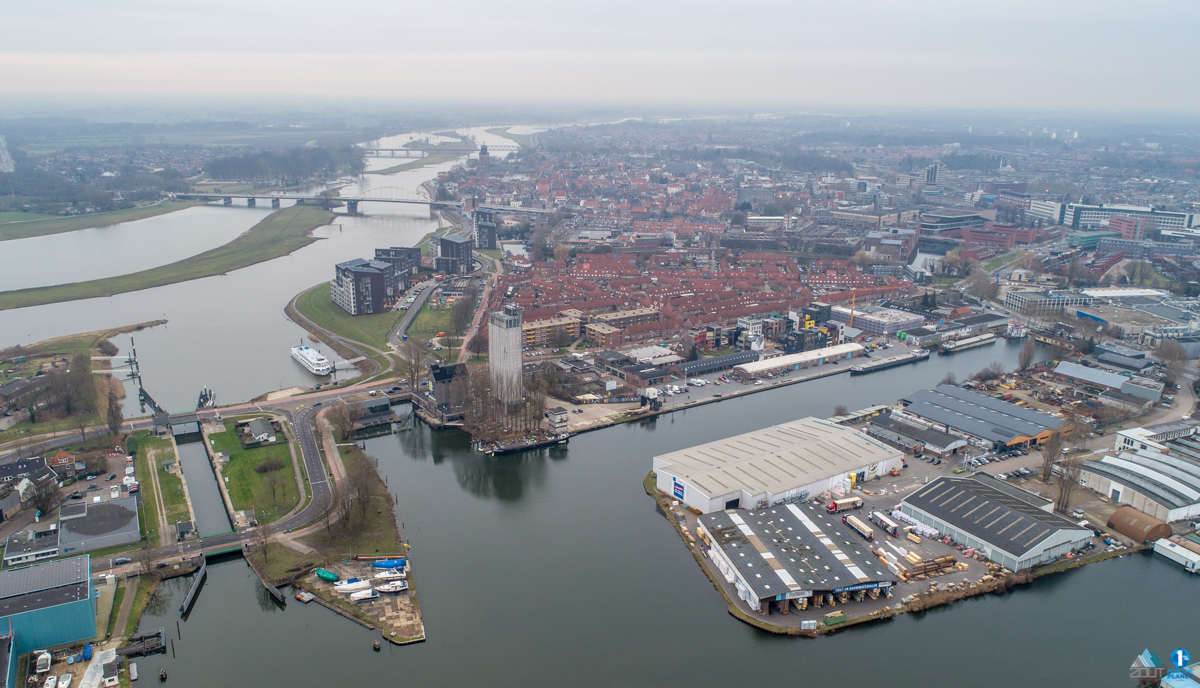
(554, 568)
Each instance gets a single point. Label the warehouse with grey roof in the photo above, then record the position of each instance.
(1007, 527)
(1165, 486)
(992, 422)
(788, 462)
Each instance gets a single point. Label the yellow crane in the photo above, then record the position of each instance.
(853, 296)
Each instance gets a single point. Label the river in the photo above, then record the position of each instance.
(554, 568)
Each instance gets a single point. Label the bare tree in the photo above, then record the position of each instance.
(329, 514)
(114, 414)
(1070, 478)
(460, 315)
(1025, 357)
(993, 371)
(273, 482)
(840, 410)
(343, 416)
(414, 363)
(361, 479)
(262, 540)
(478, 344)
(44, 496)
(949, 379)
(1051, 449)
(81, 425)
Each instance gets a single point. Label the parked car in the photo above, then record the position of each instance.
(111, 476)
(120, 561)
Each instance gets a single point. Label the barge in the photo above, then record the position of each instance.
(892, 362)
(968, 343)
(538, 442)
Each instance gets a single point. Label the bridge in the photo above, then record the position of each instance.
(387, 194)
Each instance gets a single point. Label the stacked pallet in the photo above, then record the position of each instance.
(913, 567)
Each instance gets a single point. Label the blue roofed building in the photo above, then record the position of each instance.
(49, 604)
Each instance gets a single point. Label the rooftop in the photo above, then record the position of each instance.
(979, 415)
(775, 459)
(51, 574)
(1172, 481)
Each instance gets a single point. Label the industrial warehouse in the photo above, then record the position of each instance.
(1165, 486)
(48, 604)
(792, 554)
(1009, 526)
(782, 463)
(783, 364)
(989, 421)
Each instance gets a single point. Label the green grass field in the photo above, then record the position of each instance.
(372, 330)
(7, 216)
(997, 262)
(148, 513)
(526, 141)
(172, 486)
(278, 234)
(14, 228)
(247, 487)
(431, 159)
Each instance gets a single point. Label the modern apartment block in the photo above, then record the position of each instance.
(363, 287)
(623, 319)
(406, 263)
(504, 354)
(542, 332)
(452, 254)
(486, 225)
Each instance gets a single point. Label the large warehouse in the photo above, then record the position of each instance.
(790, 362)
(1164, 486)
(791, 552)
(788, 462)
(1009, 529)
(48, 604)
(992, 422)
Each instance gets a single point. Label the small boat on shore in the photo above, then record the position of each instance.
(390, 574)
(390, 564)
(356, 586)
(326, 575)
(364, 596)
(305, 596)
(392, 586)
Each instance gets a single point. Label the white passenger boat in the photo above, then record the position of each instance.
(312, 360)
(390, 574)
(356, 586)
(392, 586)
(364, 595)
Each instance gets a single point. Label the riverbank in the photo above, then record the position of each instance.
(431, 159)
(525, 141)
(279, 234)
(59, 225)
(316, 305)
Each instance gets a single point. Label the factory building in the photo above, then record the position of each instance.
(1138, 526)
(1044, 300)
(782, 463)
(1140, 387)
(48, 604)
(712, 364)
(1009, 526)
(877, 320)
(1164, 486)
(782, 364)
(985, 421)
(791, 554)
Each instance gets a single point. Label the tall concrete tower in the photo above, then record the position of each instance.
(485, 159)
(504, 354)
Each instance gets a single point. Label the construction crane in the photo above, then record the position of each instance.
(853, 296)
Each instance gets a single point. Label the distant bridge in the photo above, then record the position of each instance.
(387, 194)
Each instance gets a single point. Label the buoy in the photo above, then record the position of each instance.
(376, 646)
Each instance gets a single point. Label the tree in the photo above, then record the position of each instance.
(461, 314)
(343, 416)
(863, 260)
(329, 514)
(43, 496)
(1070, 478)
(1025, 357)
(273, 482)
(361, 478)
(561, 252)
(993, 371)
(982, 286)
(262, 540)
(478, 344)
(840, 410)
(693, 354)
(81, 424)
(114, 414)
(949, 379)
(1051, 449)
(414, 364)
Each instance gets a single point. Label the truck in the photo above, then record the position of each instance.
(846, 504)
(888, 525)
(859, 527)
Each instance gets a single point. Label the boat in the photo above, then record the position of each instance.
(527, 443)
(52, 681)
(305, 596)
(892, 362)
(208, 399)
(352, 587)
(312, 360)
(133, 675)
(1015, 331)
(364, 596)
(392, 586)
(326, 575)
(162, 675)
(87, 652)
(64, 681)
(390, 564)
(968, 343)
(390, 574)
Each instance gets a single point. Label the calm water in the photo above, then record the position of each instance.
(121, 249)
(554, 568)
(229, 331)
(209, 508)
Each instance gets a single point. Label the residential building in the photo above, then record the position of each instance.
(624, 319)
(486, 225)
(599, 334)
(543, 332)
(406, 264)
(452, 254)
(363, 287)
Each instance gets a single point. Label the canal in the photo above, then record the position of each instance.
(209, 508)
(554, 568)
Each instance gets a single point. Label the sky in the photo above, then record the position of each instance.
(1068, 55)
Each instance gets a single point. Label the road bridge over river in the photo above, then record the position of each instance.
(387, 194)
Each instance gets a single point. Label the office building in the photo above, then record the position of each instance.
(504, 354)
(877, 320)
(935, 223)
(783, 463)
(1082, 216)
(363, 287)
(1039, 301)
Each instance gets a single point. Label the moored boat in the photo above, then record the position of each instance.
(356, 586)
(326, 575)
(312, 360)
(364, 595)
(392, 586)
(390, 574)
(892, 362)
(390, 564)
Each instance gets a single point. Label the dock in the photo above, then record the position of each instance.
(201, 575)
(147, 644)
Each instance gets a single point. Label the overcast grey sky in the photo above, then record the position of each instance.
(1016, 54)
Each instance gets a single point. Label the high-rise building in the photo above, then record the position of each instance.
(485, 228)
(406, 263)
(1131, 228)
(504, 354)
(452, 254)
(363, 287)
(933, 179)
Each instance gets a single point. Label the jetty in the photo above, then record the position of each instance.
(146, 644)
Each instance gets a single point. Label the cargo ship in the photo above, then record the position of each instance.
(312, 360)
(968, 343)
(499, 448)
(892, 362)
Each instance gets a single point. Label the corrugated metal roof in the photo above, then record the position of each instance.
(51, 574)
(1092, 375)
(979, 415)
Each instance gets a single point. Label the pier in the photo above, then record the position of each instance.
(147, 644)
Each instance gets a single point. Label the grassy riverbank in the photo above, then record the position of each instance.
(23, 229)
(431, 159)
(250, 489)
(525, 141)
(372, 330)
(278, 234)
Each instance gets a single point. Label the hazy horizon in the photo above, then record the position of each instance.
(774, 55)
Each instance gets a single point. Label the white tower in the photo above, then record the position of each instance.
(504, 354)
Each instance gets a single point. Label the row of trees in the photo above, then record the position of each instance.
(287, 165)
